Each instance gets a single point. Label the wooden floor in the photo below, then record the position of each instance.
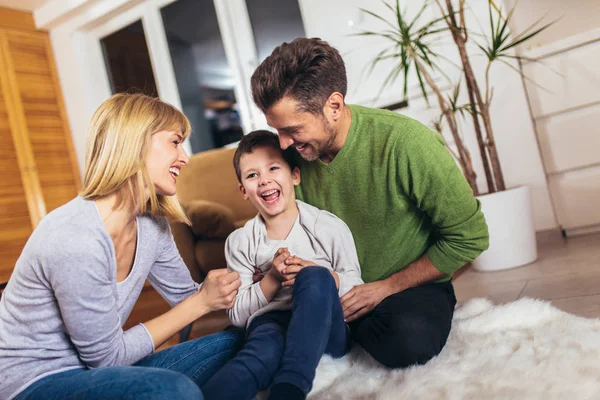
(567, 273)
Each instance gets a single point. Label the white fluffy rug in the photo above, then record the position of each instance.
(527, 349)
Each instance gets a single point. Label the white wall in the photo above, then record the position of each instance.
(513, 127)
(334, 21)
(23, 5)
(78, 105)
(572, 17)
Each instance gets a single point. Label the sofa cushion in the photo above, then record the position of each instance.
(209, 175)
(210, 254)
(210, 220)
(186, 244)
(240, 223)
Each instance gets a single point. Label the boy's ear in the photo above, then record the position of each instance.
(296, 176)
(243, 192)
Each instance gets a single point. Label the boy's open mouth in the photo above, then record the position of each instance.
(270, 196)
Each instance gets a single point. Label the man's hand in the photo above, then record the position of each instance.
(361, 299)
(294, 265)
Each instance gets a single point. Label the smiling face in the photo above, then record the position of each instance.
(311, 135)
(165, 159)
(268, 182)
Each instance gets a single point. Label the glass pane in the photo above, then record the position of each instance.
(128, 61)
(274, 22)
(204, 78)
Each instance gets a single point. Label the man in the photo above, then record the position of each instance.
(413, 215)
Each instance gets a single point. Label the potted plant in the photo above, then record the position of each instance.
(508, 211)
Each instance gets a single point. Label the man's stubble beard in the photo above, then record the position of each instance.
(321, 153)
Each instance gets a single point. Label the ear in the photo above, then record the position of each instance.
(334, 106)
(296, 176)
(243, 192)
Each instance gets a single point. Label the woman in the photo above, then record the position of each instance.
(84, 267)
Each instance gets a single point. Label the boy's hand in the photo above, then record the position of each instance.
(279, 264)
(293, 265)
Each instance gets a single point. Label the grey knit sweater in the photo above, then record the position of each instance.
(63, 309)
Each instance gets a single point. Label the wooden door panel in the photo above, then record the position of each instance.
(15, 221)
(44, 120)
(47, 127)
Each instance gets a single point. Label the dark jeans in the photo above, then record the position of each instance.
(173, 373)
(286, 346)
(409, 327)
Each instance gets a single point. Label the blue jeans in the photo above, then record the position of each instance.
(173, 373)
(286, 346)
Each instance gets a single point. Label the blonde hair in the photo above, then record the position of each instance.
(117, 145)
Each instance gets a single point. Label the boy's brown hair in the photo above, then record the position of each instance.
(307, 70)
(256, 139)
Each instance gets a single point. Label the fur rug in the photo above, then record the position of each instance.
(527, 349)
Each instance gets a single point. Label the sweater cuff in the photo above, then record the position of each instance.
(345, 286)
(261, 296)
(149, 340)
(445, 264)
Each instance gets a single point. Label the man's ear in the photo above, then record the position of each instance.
(296, 176)
(243, 192)
(334, 106)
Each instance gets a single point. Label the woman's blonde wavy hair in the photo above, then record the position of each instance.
(117, 145)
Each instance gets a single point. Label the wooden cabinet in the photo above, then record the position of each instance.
(38, 169)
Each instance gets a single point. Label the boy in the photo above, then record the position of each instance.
(290, 305)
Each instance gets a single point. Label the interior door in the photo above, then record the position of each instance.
(32, 68)
(15, 220)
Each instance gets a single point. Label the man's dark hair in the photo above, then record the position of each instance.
(307, 70)
(256, 139)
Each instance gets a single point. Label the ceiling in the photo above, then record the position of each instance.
(24, 5)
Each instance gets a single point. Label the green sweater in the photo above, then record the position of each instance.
(398, 189)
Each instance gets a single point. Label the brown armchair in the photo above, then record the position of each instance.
(208, 190)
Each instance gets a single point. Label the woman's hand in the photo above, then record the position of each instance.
(219, 289)
(217, 293)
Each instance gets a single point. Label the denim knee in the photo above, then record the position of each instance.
(317, 276)
(167, 384)
(235, 337)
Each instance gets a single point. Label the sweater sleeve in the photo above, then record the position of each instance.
(169, 275)
(430, 176)
(240, 258)
(344, 259)
(84, 289)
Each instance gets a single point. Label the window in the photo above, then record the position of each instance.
(274, 22)
(128, 61)
(204, 77)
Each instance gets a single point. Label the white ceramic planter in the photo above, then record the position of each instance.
(512, 233)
